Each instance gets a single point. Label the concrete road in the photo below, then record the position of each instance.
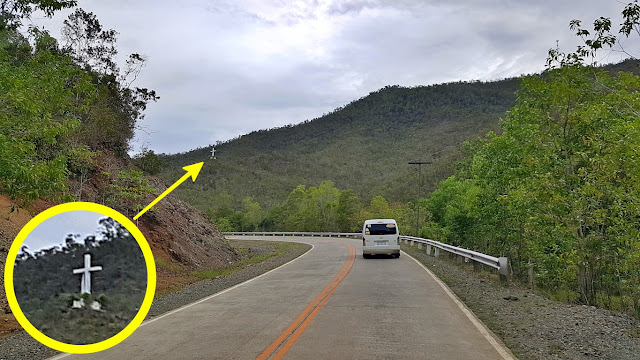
(328, 304)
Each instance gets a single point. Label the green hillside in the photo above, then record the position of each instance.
(364, 146)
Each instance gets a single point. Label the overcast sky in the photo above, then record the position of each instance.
(225, 68)
(54, 230)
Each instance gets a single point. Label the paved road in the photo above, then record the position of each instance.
(328, 304)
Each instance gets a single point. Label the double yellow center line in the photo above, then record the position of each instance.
(283, 343)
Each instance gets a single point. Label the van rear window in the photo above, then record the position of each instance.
(381, 229)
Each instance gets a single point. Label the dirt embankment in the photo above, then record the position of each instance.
(181, 239)
(10, 224)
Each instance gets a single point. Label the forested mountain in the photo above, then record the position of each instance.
(364, 146)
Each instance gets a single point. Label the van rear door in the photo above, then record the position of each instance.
(381, 234)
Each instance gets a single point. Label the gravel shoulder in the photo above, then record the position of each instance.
(21, 346)
(531, 325)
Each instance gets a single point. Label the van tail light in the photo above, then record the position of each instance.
(363, 241)
(398, 238)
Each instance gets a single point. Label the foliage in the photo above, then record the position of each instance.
(558, 190)
(148, 161)
(13, 12)
(112, 118)
(42, 96)
(454, 206)
(322, 208)
(602, 38)
(60, 106)
(126, 191)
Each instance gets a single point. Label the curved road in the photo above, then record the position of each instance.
(328, 304)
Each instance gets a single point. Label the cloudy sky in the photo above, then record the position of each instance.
(225, 68)
(54, 230)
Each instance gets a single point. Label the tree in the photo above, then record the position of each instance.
(379, 208)
(112, 118)
(43, 96)
(88, 44)
(557, 191)
(454, 206)
(13, 12)
(347, 211)
(602, 38)
(252, 214)
(148, 161)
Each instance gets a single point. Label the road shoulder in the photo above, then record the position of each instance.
(531, 325)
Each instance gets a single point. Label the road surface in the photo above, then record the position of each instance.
(328, 304)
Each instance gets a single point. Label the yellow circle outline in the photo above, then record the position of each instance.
(88, 348)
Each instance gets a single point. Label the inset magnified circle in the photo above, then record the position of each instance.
(80, 277)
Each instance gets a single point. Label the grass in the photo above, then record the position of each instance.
(277, 249)
(167, 265)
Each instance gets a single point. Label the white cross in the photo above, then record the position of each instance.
(213, 153)
(85, 285)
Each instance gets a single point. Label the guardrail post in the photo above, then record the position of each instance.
(504, 269)
(436, 253)
(412, 242)
(428, 249)
(419, 245)
(406, 241)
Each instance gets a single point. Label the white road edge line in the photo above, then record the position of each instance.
(491, 338)
(63, 355)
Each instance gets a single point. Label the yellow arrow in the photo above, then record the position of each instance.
(192, 170)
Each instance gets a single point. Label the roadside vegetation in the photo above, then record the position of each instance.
(313, 208)
(558, 192)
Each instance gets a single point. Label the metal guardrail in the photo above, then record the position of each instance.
(499, 263)
(297, 233)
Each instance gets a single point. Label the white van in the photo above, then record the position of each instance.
(380, 236)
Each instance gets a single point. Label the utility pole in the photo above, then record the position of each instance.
(419, 163)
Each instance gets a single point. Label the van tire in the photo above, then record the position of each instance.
(397, 255)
